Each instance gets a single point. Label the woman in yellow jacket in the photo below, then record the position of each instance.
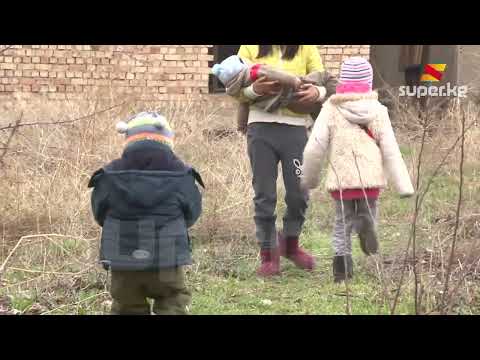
(279, 137)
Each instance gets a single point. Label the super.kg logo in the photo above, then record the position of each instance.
(433, 72)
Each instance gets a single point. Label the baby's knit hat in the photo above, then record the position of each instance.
(356, 74)
(147, 126)
(228, 68)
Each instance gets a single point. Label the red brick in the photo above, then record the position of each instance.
(137, 82)
(62, 81)
(205, 57)
(27, 81)
(77, 81)
(173, 57)
(175, 90)
(26, 66)
(43, 88)
(77, 67)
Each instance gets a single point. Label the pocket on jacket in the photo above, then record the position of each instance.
(173, 247)
(128, 244)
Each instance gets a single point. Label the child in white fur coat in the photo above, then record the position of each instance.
(353, 136)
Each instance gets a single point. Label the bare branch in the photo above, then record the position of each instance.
(457, 215)
(10, 126)
(10, 137)
(412, 237)
(379, 264)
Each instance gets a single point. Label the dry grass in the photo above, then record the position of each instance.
(46, 215)
(47, 168)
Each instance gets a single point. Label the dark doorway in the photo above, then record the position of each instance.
(220, 53)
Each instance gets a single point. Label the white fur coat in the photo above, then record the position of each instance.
(354, 159)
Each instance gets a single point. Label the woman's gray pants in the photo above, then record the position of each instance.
(269, 144)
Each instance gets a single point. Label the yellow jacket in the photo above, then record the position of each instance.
(306, 61)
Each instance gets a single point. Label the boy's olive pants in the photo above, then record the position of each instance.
(130, 290)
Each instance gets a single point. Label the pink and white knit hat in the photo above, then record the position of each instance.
(356, 75)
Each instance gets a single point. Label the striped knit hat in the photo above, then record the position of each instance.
(356, 75)
(147, 126)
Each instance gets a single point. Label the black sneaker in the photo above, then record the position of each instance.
(368, 238)
(339, 273)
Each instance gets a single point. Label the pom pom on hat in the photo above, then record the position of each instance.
(161, 122)
(122, 127)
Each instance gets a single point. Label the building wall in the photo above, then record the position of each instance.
(333, 55)
(151, 72)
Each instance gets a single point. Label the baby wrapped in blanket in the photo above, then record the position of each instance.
(235, 75)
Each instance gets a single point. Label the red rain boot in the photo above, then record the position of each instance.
(290, 249)
(270, 265)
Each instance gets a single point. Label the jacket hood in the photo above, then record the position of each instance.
(145, 189)
(360, 109)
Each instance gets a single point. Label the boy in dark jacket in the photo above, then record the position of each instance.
(145, 202)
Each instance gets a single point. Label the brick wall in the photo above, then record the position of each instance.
(154, 72)
(151, 72)
(333, 55)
